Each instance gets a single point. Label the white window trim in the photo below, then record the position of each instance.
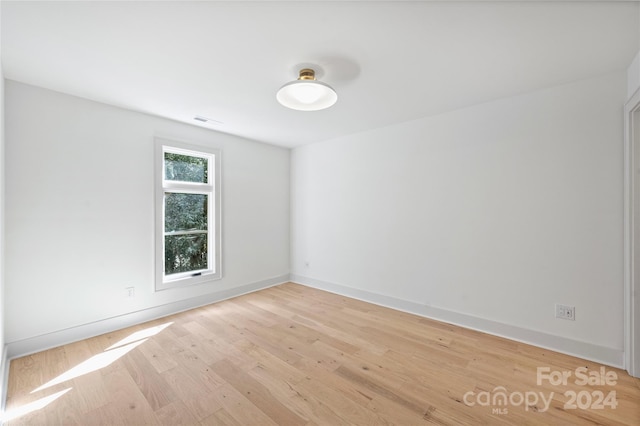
(215, 245)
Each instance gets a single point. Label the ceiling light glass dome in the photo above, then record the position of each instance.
(306, 93)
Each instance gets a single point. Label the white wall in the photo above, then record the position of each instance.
(4, 371)
(495, 212)
(79, 211)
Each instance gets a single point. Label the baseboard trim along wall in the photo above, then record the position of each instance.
(35, 344)
(600, 354)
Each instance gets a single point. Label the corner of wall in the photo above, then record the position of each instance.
(633, 76)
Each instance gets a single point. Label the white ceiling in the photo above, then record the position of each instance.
(389, 61)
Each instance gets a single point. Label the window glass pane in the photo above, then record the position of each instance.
(185, 212)
(184, 253)
(185, 168)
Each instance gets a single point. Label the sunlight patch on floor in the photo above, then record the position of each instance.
(108, 357)
(31, 407)
(139, 335)
(94, 363)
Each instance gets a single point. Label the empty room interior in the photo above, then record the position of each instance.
(319, 212)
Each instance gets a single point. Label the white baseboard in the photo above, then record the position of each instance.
(600, 354)
(57, 338)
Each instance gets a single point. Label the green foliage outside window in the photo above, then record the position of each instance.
(185, 216)
(184, 253)
(185, 212)
(185, 168)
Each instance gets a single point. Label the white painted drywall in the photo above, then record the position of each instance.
(4, 370)
(497, 211)
(79, 210)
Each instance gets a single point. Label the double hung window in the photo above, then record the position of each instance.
(187, 214)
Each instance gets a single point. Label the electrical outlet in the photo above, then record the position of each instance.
(129, 292)
(566, 312)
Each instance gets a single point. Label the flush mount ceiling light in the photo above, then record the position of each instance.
(306, 93)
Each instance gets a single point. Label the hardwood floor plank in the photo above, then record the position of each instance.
(220, 418)
(149, 381)
(379, 388)
(222, 348)
(203, 406)
(272, 344)
(25, 375)
(185, 386)
(130, 404)
(203, 347)
(329, 403)
(257, 393)
(240, 408)
(323, 322)
(175, 413)
(289, 392)
(155, 354)
(106, 415)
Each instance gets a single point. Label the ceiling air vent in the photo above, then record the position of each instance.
(206, 120)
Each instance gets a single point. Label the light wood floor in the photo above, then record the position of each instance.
(292, 355)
